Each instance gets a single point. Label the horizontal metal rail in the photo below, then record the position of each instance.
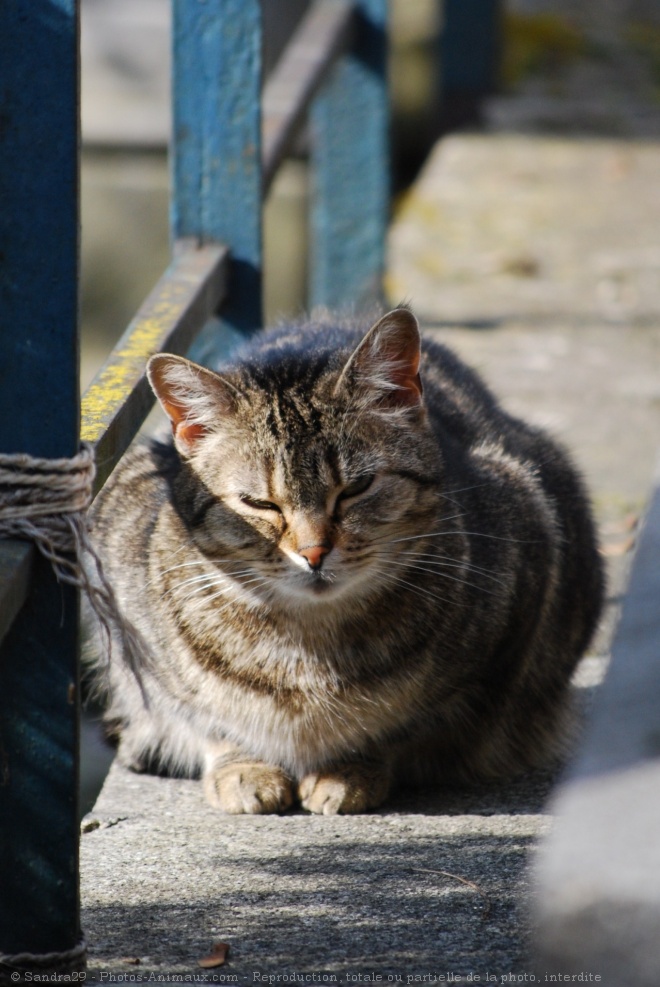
(325, 32)
(119, 398)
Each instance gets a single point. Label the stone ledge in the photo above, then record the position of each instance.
(433, 883)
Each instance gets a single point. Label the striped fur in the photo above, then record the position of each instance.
(349, 568)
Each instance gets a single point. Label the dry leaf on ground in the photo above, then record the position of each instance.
(217, 956)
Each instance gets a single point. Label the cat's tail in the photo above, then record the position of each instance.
(115, 635)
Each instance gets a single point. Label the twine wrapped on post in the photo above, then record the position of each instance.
(46, 966)
(45, 501)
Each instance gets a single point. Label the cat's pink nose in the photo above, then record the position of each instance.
(314, 555)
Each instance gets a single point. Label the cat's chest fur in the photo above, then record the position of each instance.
(299, 688)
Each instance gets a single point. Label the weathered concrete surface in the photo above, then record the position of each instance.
(505, 226)
(383, 893)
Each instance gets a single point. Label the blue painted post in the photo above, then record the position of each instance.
(39, 407)
(470, 43)
(350, 155)
(216, 147)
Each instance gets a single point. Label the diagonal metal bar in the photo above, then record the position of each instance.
(119, 398)
(327, 30)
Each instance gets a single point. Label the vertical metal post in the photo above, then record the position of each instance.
(216, 144)
(470, 44)
(39, 415)
(350, 154)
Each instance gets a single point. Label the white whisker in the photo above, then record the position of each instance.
(459, 531)
(219, 576)
(208, 561)
(417, 589)
(206, 600)
(443, 575)
(455, 563)
(183, 565)
(223, 582)
(427, 534)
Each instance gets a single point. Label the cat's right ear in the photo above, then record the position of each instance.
(384, 369)
(192, 397)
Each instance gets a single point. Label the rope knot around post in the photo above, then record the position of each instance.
(45, 501)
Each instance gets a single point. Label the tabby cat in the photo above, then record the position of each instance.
(348, 568)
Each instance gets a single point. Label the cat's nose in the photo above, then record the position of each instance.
(314, 555)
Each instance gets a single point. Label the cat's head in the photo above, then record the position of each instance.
(309, 461)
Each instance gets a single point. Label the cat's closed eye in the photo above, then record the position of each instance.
(357, 487)
(260, 505)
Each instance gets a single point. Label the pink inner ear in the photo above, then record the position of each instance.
(186, 432)
(189, 433)
(404, 373)
(410, 390)
(385, 365)
(178, 385)
(409, 383)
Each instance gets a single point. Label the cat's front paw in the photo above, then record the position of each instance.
(135, 751)
(250, 787)
(347, 789)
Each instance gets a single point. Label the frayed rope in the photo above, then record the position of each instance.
(67, 961)
(45, 501)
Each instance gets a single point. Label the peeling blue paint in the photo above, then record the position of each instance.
(351, 187)
(39, 415)
(216, 157)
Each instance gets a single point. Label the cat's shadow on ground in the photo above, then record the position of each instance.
(527, 795)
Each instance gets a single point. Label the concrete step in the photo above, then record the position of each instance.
(432, 884)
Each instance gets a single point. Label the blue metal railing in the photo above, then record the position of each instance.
(224, 155)
(229, 136)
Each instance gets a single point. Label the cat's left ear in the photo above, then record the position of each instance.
(193, 397)
(386, 363)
